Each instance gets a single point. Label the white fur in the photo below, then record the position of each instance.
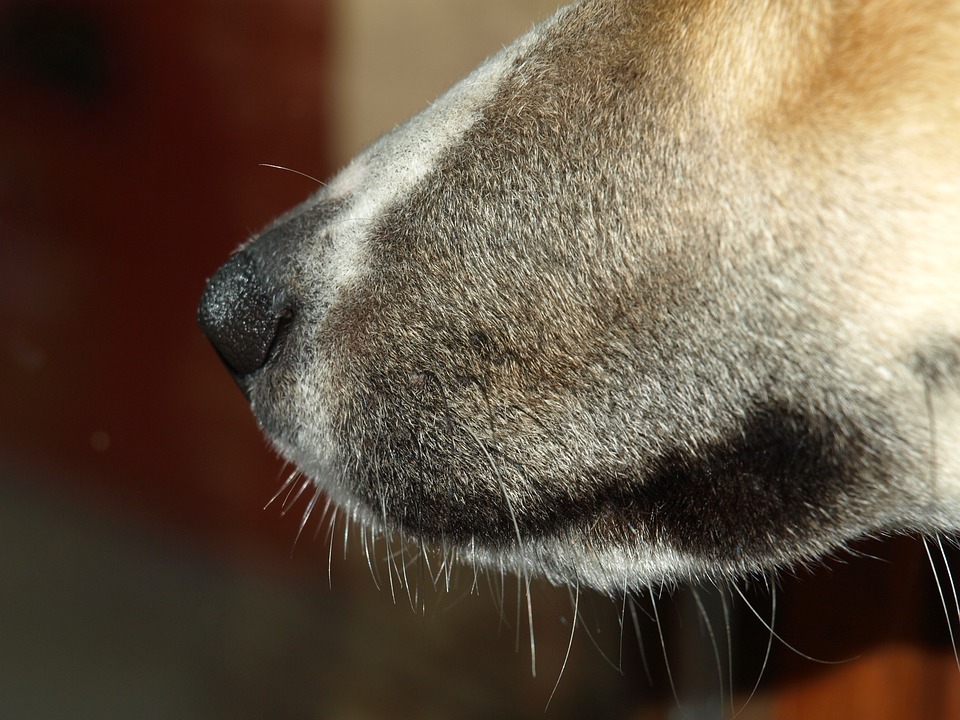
(393, 166)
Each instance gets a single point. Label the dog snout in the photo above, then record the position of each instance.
(245, 313)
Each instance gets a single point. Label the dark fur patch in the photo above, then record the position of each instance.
(778, 482)
(773, 488)
(785, 479)
(938, 361)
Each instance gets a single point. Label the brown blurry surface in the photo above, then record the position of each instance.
(129, 148)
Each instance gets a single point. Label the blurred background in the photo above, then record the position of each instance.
(141, 576)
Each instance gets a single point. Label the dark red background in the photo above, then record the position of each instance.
(131, 135)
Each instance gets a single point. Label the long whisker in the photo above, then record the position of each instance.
(295, 172)
(943, 597)
(285, 487)
(769, 648)
(931, 416)
(533, 642)
(713, 639)
(516, 641)
(317, 494)
(573, 630)
(370, 552)
(729, 632)
(953, 588)
(616, 665)
(330, 533)
(663, 647)
(783, 642)
(291, 498)
(632, 605)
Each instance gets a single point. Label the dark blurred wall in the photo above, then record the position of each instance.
(131, 135)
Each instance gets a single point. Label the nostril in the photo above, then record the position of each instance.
(242, 316)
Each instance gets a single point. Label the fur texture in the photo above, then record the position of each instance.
(663, 290)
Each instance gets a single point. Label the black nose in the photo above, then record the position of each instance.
(243, 315)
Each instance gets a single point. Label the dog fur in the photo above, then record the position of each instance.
(666, 289)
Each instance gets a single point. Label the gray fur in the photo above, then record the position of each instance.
(598, 327)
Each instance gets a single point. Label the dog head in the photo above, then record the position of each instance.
(656, 292)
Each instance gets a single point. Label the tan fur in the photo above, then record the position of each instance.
(666, 289)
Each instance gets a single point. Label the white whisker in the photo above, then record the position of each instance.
(295, 172)
(663, 647)
(943, 597)
(574, 621)
(533, 643)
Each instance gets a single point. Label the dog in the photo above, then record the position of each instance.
(665, 290)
